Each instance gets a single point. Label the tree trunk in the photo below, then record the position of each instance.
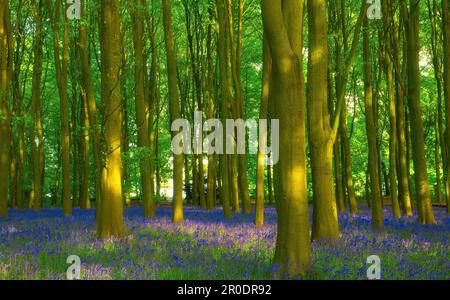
(221, 48)
(325, 223)
(61, 67)
(5, 129)
(446, 30)
(423, 197)
(142, 109)
(283, 26)
(91, 107)
(267, 70)
(375, 191)
(174, 103)
(110, 221)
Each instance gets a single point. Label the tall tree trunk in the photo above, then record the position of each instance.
(110, 221)
(174, 103)
(388, 69)
(61, 67)
(403, 162)
(283, 26)
(325, 223)
(36, 127)
(240, 105)
(91, 107)
(142, 109)
(225, 194)
(375, 191)
(446, 30)
(423, 196)
(343, 130)
(85, 200)
(267, 71)
(211, 107)
(322, 135)
(5, 129)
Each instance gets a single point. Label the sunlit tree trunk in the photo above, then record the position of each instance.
(283, 26)
(403, 166)
(110, 221)
(325, 224)
(265, 95)
(423, 196)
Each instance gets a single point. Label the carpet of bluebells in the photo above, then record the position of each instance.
(36, 246)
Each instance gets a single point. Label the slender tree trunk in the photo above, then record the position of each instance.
(61, 67)
(142, 109)
(5, 129)
(403, 165)
(267, 71)
(177, 213)
(375, 191)
(388, 69)
(240, 109)
(85, 200)
(446, 30)
(211, 107)
(221, 46)
(36, 128)
(91, 107)
(423, 196)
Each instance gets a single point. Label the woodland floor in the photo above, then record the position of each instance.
(36, 246)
